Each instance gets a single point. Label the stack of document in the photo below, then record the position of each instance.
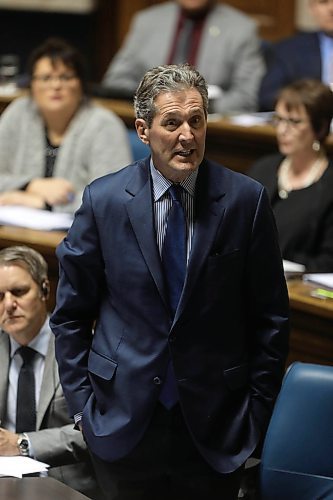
(33, 218)
(292, 269)
(322, 279)
(18, 466)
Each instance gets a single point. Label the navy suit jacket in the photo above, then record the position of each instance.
(228, 340)
(289, 60)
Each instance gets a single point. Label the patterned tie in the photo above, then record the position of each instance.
(183, 42)
(174, 266)
(26, 403)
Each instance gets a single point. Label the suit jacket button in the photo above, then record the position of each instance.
(157, 380)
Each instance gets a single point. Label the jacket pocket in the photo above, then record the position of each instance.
(101, 366)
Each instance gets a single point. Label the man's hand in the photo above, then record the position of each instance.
(8, 443)
(53, 190)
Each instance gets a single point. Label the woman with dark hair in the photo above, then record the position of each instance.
(55, 141)
(299, 179)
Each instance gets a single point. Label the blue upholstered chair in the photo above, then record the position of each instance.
(139, 150)
(297, 458)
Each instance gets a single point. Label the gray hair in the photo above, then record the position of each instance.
(28, 258)
(167, 78)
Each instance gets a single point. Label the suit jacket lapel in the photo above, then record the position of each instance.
(141, 214)
(4, 363)
(50, 383)
(209, 210)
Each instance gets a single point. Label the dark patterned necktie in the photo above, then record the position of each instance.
(174, 266)
(26, 402)
(183, 42)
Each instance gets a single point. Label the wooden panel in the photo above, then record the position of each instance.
(276, 19)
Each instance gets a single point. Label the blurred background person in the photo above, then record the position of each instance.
(304, 55)
(45, 432)
(299, 179)
(55, 141)
(220, 41)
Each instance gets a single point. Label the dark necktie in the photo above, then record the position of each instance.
(183, 42)
(26, 402)
(174, 266)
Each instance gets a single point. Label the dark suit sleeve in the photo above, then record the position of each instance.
(268, 311)
(277, 76)
(81, 281)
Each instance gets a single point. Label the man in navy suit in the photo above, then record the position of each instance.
(117, 337)
(305, 55)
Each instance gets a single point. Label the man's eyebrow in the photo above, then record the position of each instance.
(192, 112)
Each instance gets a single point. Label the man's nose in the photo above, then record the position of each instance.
(186, 133)
(9, 301)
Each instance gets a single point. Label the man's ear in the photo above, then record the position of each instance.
(142, 130)
(45, 289)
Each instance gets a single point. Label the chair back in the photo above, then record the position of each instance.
(297, 457)
(139, 149)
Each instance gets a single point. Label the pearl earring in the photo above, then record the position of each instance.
(316, 146)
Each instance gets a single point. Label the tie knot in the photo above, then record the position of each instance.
(175, 191)
(27, 354)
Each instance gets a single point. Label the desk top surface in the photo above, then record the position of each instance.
(37, 488)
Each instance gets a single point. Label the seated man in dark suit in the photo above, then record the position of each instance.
(305, 55)
(33, 412)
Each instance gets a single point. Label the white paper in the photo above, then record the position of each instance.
(32, 218)
(17, 466)
(293, 267)
(324, 279)
(250, 119)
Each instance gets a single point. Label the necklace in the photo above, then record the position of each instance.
(283, 177)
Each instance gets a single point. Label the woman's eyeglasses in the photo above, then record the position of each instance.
(293, 123)
(47, 80)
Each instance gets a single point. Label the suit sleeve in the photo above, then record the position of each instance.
(58, 446)
(278, 74)
(268, 311)
(81, 281)
(247, 71)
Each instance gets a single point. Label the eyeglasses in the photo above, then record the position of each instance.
(293, 123)
(47, 80)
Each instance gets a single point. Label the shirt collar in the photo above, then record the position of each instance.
(40, 343)
(161, 184)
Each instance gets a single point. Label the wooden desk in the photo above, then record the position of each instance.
(44, 242)
(311, 337)
(36, 488)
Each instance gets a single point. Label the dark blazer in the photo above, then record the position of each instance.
(55, 441)
(228, 340)
(289, 60)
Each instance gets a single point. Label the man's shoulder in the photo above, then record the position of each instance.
(297, 42)
(119, 178)
(230, 15)
(230, 178)
(156, 11)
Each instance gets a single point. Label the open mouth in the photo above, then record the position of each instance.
(184, 154)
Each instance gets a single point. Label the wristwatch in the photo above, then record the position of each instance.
(23, 445)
